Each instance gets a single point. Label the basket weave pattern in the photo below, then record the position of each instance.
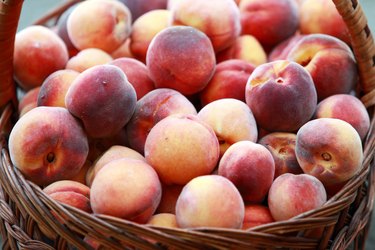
(28, 216)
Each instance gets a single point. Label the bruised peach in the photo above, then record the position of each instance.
(282, 147)
(291, 195)
(329, 149)
(152, 108)
(219, 20)
(210, 201)
(251, 168)
(181, 58)
(180, 148)
(48, 144)
(38, 52)
(281, 95)
(54, 88)
(229, 81)
(137, 74)
(103, 99)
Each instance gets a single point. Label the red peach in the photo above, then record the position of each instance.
(281, 50)
(255, 215)
(169, 198)
(28, 101)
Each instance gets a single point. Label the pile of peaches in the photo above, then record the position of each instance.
(190, 113)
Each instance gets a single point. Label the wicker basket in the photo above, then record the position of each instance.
(25, 209)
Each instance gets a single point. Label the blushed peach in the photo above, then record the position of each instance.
(255, 215)
(123, 50)
(28, 101)
(137, 74)
(48, 144)
(291, 195)
(103, 99)
(87, 58)
(251, 168)
(151, 109)
(180, 148)
(231, 120)
(282, 147)
(38, 52)
(54, 88)
(210, 201)
(281, 50)
(169, 198)
(181, 58)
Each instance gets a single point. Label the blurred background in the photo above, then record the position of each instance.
(32, 10)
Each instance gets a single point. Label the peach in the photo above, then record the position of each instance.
(315, 50)
(295, 101)
(87, 58)
(278, 20)
(329, 149)
(255, 215)
(231, 120)
(71, 193)
(48, 144)
(210, 201)
(163, 220)
(181, 58)
(180, 148)
(321, 16)
(282, 147)
(137, 74)
(103, 99)
(144, 29)
(229, 81)
(251, 168)
(152, 108)
(102, 24)
(38, 52)
(55, 86)
(28, 101)
(81, 176)
(123, 50)
(169, 198)
(140, 7)
(113, 153)
(219, 20)
(291, 195)
(245, 47)
(345, 107)
(126, 188)
(281, 50)
(62, 31)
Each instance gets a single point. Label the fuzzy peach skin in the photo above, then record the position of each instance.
(126, 188)
(219, 19)
(180, 148)
(269, 21)
(38, 52)
(87, 58)
(323, 56)
(137, 74)
(163, 220)
(291, 195)
(281, 50)
(169, 198)
(321, 16)
(102, 24)
(255, 215)
(28, 101)
(181, 58)
(144, 29)
(151, 109)
(210, 201)
(329, 149)
(229, 81)
(348, 108)
(54, 88)
(251, 168)
(71, 193)
(48, 144)
(245, 47)
(113, 153)
(231, 120)
(140, 7)
(282, 147)
(103, 99)
(281, 95)
(123, 50)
